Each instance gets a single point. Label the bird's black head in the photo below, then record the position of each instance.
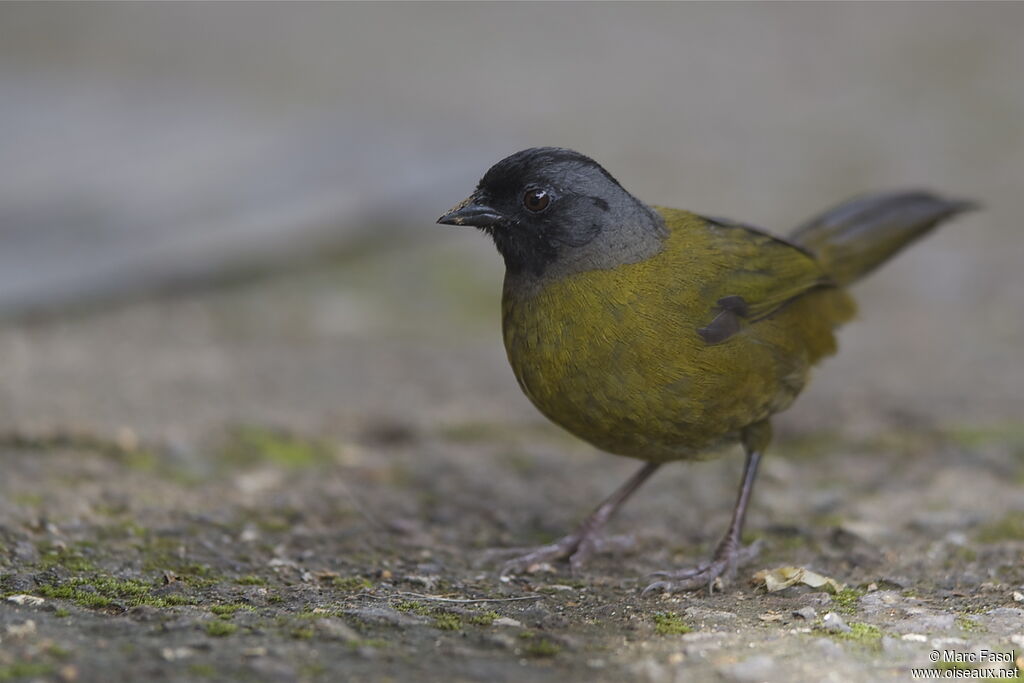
(546, 204)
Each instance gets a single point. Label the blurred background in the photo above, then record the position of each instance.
(222, 213)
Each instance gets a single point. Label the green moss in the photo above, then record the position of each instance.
(27, 499)
(25, 670)
(65, 558)
(303, 632)
(962, 554)
(866, 634)
(351, 583)
(218, 628)
(100, 590)
(1008, 528)
(311, 671)
(412, 606)
(228, 609)
(847, 599)
(973, 436)
(202, 670)
(483, 618)
(253, 445)
(61, 613)
(58, 652)
(967, 624)
(669, 624)
(447, 622)
(541, 647)
(251, 580)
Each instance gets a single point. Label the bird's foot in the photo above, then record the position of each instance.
(577, 547)
(714, 574)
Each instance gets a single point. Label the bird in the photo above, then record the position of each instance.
(664, 335)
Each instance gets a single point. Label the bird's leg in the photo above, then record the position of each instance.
(586, 540)
(729, 555)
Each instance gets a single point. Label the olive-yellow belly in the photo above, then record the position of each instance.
(614, 357)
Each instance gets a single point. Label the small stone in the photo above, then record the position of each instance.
(807, 613)
(833, 623)
(30, 600)
(18, 582)
(506, 621)
(915, 637)
(254, 652)
(1018, 596)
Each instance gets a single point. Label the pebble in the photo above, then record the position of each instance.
(833, 623)
(807, 613)
(30, 600)
(19, 582)
(506, 621)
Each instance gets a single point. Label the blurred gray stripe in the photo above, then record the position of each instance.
(140, 187)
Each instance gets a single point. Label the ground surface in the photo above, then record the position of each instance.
(279, 480)
(276, 480)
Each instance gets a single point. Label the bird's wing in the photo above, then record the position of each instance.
(758, 275)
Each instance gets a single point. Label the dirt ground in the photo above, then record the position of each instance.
(302, 477)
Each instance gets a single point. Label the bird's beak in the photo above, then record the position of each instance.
(472, 211)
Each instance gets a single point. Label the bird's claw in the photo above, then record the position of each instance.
(531, 561)
(576, 548)
(711, 575)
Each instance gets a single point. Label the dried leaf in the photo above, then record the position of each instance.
(784, 577)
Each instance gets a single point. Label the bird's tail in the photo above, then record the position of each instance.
(857, 236)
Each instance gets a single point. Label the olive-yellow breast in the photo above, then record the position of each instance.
(617, 356)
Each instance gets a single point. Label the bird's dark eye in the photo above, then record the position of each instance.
(536, 200)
